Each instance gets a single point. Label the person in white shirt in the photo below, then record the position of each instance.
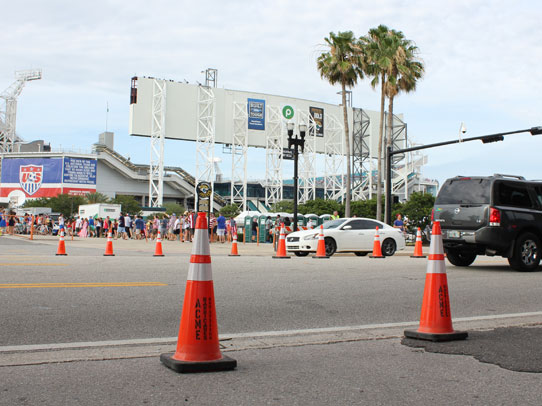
(128, 225)
(177, 229)
(78, 224)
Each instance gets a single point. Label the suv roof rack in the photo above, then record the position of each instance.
(500, 175)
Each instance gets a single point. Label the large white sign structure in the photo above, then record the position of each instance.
(207, 115)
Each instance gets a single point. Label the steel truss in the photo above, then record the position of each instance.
(158, 135)
(8, 114)
(334, 159)
(307, 175)
(399, 172)
(205, 139)
(273, 156)
(362, 170)
(239, 152)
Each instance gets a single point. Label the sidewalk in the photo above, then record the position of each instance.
(172, 247)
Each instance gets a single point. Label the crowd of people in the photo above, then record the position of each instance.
(11, 223)
(171, 227)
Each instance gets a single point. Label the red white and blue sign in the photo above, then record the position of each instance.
(48, 177)
(30, 177)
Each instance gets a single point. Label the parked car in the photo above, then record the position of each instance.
(347, 235)
(493, 215)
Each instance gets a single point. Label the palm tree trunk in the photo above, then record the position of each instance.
(348, 158)
(389, 141)
(380, 142)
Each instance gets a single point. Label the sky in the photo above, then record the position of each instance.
(482, 62)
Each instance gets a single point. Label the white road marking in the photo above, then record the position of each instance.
(260, 334)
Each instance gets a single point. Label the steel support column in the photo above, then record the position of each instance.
(158, 135)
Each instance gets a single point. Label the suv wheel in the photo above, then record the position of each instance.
(460, 258)
(526, 256)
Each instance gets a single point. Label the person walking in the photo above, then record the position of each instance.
(128, 226)
(221, 228)
(254, 227)
(139, 228)
(177, 229)
(98, 225)
(186, 227)
(268, 229)
(121, 231)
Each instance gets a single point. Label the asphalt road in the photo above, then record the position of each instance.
(253, 293)
(304, 331)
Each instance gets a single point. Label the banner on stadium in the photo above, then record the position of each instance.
(256, 114)
(317, 115)
(48, 177)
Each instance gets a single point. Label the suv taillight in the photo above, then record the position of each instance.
(494, 217)
(432, 215)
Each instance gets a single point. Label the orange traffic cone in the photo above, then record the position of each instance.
(198, 349)
(436, 318)
(321, 249)
(109, 246)
(377, 251)
(418, 250)
(281, 249)
(61, 244)
(158, 248)
(234, 252)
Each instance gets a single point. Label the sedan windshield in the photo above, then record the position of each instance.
(333, 223)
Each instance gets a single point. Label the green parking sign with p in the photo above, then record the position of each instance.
(288, 112)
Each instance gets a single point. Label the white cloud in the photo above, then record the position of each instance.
(481, 59)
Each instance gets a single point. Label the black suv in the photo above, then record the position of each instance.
(493, 215)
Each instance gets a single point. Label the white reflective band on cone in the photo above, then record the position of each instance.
(201, 239)
(436, 266)
(436, 245)
(200, 272)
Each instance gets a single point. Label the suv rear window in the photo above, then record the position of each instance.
(509, 194)
(464, 191)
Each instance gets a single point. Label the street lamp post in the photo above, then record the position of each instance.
(296, 142)
(486, 139)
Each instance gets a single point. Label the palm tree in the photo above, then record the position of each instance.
(392, 61)
(376, 46)
(340, 64)
(96, 197)
(402, 76)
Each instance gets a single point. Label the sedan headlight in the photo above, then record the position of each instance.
(311, 237)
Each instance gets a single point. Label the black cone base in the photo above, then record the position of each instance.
(453, 336)
(418, 256)
(186, 367)
(275, 257)
(317, 257)
(109, 255)
(372, 256)
(234, 255)
(156, 255)
(62, 254)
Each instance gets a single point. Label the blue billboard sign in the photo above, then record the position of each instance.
(79, 171)
(256, 114)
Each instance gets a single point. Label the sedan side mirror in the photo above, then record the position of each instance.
(347, 228)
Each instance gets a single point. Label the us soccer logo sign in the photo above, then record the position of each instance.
(30, 178)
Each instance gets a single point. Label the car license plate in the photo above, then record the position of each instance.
(454, 234)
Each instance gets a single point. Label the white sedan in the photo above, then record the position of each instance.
(347, 235)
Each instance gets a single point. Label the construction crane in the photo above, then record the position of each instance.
(8, 112)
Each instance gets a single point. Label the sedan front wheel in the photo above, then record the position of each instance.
(331, 246)
(388, 247)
